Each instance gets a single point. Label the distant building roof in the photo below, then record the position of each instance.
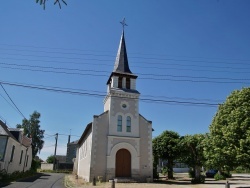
(74, 142)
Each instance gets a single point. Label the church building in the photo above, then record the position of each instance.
(117, 144)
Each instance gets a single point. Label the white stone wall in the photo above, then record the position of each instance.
(146, 163)
(131, 110)
(15, 165)
(99, 150)
(46, 166)
(84, 157)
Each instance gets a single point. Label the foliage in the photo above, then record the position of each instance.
(43, 2)
(164, 171)
(50, 159)
(228, 144)
(192, 153)
(155, 172)
(166, 147)
(32, 129)
(66, 171)
(35, 165)
(200, 179)
(5, 177)
(191, 173)
(219, 176)
(242, 169)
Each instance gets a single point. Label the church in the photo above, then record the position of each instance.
(117, 144)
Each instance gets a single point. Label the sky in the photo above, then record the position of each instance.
(188, 55)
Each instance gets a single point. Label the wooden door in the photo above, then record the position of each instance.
(123, 163)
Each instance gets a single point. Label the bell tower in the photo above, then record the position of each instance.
(122, 97)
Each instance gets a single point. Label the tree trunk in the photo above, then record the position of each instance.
(170, 169)
(197, 171)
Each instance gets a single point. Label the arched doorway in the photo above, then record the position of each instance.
(123, 163)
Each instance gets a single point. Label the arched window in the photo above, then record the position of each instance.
(128, 83)
(128, 124)
(119, 123)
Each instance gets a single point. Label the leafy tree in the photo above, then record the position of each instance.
(32, 129)
(165, 146)
(50, 159)
(43, 2)
(229, 140)
(192, 153)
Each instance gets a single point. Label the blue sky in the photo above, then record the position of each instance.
(192, 51)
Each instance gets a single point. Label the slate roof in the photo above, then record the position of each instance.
(25, 140)
(121, 62)
(5, 128)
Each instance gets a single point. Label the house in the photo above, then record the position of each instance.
(15, 149)
(117, 144)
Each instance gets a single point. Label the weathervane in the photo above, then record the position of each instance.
(123, 23)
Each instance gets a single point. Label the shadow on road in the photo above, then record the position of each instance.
(34, 178)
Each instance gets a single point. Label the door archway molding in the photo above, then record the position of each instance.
(135, 159)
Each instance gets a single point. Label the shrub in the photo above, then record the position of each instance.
(164, 171)
(35, 165)
(219, 176)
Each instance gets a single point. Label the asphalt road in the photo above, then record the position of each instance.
(42, 180)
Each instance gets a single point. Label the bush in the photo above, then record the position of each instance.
(222, 175)
(5, 177)
(241, 169)
(35, 165)
(219, 176)
(164, 171)
(201, 179)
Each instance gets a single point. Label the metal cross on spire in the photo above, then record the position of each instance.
(123, 23)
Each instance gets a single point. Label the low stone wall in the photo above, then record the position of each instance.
(181, 170)
(46, 166)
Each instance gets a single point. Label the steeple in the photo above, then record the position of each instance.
(121, 62)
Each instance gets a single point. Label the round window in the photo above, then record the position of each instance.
(124, 106)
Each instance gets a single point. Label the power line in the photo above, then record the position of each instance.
(151, 58)
(172, 77)
(12, 101)
(102, 95)
(155, 63)
(132, 65)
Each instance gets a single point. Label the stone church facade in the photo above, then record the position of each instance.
(118, 142)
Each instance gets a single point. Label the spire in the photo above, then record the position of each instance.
(121, 62)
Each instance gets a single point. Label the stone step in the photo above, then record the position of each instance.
(124, 180)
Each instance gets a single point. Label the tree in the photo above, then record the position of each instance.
(50, 159)
(192, 153)
(43, 2)
(229, 139)
(165, 146)
(32, 129)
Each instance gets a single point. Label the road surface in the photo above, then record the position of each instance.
(43, 180)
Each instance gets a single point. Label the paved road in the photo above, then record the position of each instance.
(43, 180)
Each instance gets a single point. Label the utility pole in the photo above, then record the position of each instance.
(54, 163)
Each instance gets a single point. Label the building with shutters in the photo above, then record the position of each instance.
(117, 144)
